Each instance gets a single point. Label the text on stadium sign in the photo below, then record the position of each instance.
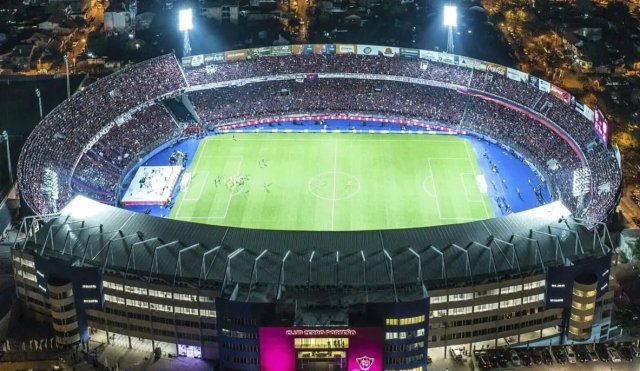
(321, 332)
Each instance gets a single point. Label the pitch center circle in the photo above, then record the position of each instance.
(334, 185)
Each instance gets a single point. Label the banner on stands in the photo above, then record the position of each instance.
(387, 51)
(473, 63)
(409, 53)
(561, 94)
(496, 68)
(213, 58)
(429, 54)
(324, 49)
(544, 85)
(235, 55)
(583, 109)
(259, 52)
(302, 49)
(517, 75)
(281, 50)
(345, 49)
(186, 61)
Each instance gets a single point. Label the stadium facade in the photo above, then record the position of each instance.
(369, 300)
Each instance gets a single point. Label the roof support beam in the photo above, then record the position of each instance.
(204, 272)
(468, 262)
(391, 274)
(179, 261)
(154, 257)
(364, 274)
(132, 256)
(281, 278)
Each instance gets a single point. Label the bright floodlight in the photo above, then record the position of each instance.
(185, 20)
(450, 16)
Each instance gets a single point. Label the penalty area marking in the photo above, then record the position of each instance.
(231, 195)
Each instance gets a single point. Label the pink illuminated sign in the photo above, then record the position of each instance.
(278, 352)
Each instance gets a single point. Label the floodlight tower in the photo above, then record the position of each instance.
(185, 23)
(450, 21)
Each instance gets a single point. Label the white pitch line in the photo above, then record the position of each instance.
(435, 191)
(335, 182)
(204, 184)
(484, 204)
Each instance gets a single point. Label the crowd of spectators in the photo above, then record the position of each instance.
(100, 169)
(76, 122)
(57, 142)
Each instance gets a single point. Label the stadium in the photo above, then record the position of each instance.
(321, 207)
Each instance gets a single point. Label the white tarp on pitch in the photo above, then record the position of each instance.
(152, 185)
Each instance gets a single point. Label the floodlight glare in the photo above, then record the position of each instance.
(450, 16)
(185, 19)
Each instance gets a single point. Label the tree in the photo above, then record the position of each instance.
(629, 317)
(635, 250)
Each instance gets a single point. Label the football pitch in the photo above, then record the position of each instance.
(333, 182)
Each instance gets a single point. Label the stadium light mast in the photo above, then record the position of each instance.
(185, 24)
(450, 21)
(5, 138)
(39, 102)
(66, 65)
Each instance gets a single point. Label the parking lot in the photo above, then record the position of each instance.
(599, 357)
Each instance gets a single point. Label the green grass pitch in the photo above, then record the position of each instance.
(333, 182)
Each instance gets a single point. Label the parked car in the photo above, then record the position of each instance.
(625, 353)
(484, 363)
(582, 353)
(601, 349)
(515, 360)
(547, 357)
(593, 355)
(571, 354)
(455, 353)
(525, 358)
(614, 355)
(536, 356)
(559, 353)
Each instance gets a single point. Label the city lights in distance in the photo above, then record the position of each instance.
(185, 19)
(450, 16)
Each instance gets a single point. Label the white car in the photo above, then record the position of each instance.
(614, 355)
(515, 359)
(456, 354)
(571, 355)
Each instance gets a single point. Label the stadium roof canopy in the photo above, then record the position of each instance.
(267, 265)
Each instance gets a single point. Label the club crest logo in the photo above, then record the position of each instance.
(365, 362)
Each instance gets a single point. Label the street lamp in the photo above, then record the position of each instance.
(5, 137)
(185, 23)
(450, 21)
(66, 64)
(39, 102)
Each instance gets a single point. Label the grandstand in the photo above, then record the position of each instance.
(228, 283)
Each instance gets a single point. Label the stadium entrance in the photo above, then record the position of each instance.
(321, 361)
(321, 354)
(321, 349)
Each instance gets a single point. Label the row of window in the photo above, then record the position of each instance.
(486, 307)
(239, 334)
(159, 307)
(404, 360)
(241, 360)
(23, 261)
(248, 348)
(404, 347)
(492, 330)
(405, 321)
(479, 294)
(390, 335)
(157, 293)
(169, 321)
